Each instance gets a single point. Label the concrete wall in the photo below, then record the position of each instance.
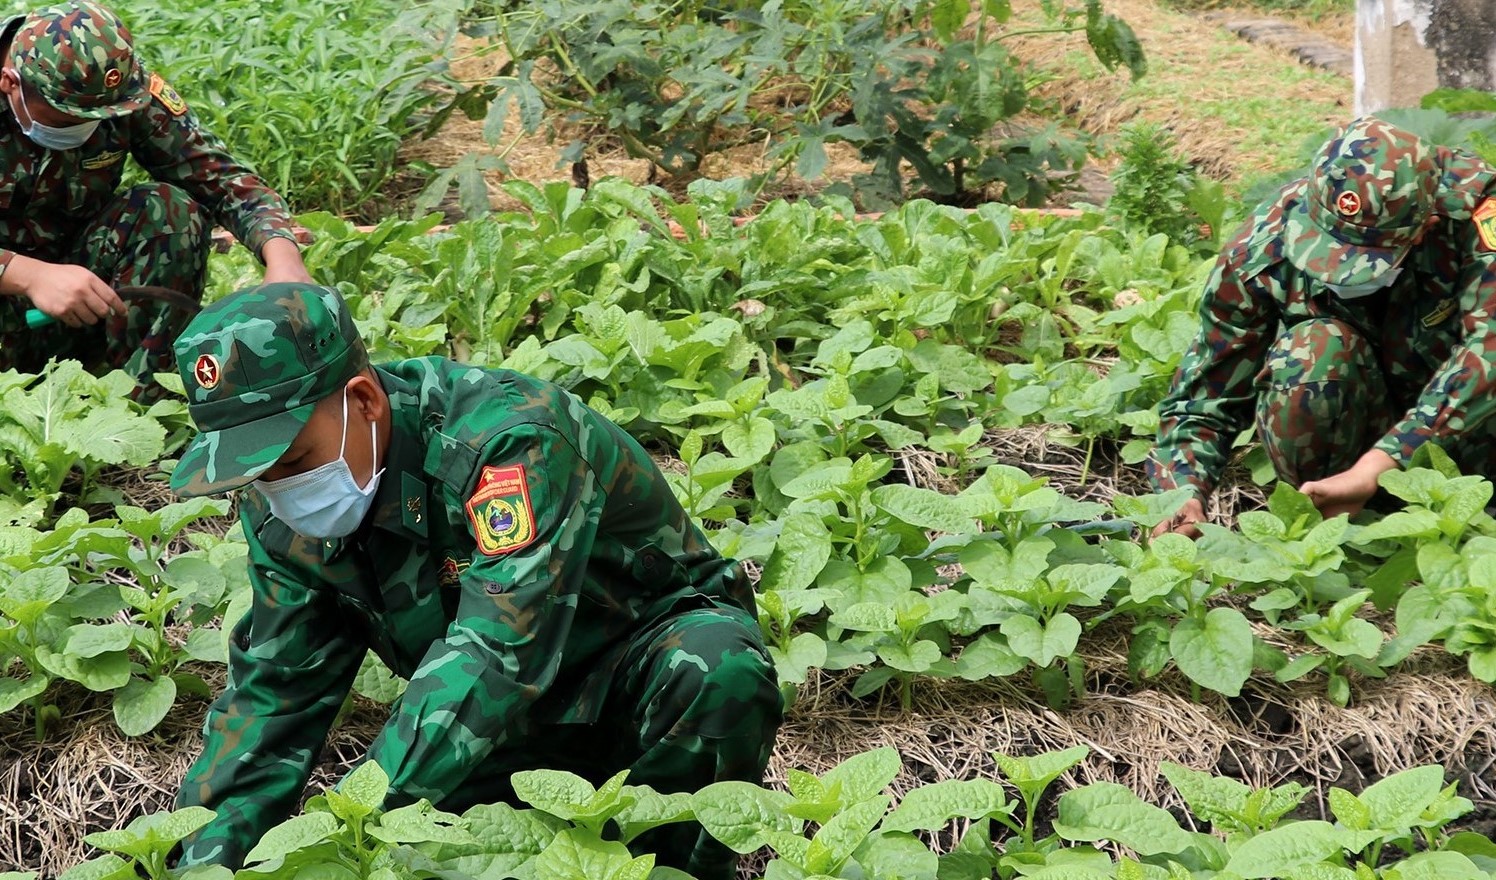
(1407, 48)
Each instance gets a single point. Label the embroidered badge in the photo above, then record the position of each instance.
(503, 520)
(1485, 223)
(113, 78)
(207, 372)
(167, 96)
(451, 572)
(1440, 314)
(103, 160)
(1348, 204)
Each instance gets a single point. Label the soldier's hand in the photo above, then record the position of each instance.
(1184, 521)
(71, 294)
(1348, 491)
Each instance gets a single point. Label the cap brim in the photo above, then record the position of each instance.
(220, 461)
(119, 108)
(1318, 253)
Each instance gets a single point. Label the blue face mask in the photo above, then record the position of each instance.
(52, 137)
(324, 502)
(1356, 291)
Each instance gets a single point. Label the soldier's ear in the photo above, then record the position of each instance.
(366, 398)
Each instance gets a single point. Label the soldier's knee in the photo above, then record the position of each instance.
(723, 666)
(1317, 350)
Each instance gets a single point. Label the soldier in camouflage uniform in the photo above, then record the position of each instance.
(513, 554)
(1354, 314)
(77, 102)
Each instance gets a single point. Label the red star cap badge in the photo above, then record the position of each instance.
(207, 372)
(1348, 204)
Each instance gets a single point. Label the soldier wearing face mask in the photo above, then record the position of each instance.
(515, 556)
(75, 105)
(1352, 319)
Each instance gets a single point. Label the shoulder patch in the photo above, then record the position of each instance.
(167, 95)
(1485, 223)
(499, 510)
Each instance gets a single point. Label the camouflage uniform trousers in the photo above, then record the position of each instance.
(1323, 402)
(694, 701)
(148, 234)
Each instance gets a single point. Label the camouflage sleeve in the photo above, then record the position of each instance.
(173, 147)
(291, 665)
(1212, 395)
(533, 512)
(1462, 392)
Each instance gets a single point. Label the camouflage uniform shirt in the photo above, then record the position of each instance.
(47, 196)
(516, 539)
(1434, 329)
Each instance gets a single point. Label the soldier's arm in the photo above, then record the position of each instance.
(1461, 394)
(168, 141)
(1211, 398)
(291, 665)
(533, 523)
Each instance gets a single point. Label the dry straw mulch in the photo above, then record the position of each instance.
(87, 777)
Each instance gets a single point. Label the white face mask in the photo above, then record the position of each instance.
(1356, 291)
(53, 137)
(324, 502)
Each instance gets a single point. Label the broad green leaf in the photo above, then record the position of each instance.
(1288, 848)
(15, 691)
(864, 775)
(91, 640)
(1350, 810)
(924, 508)
(29, 594)
(420, 823)
(931, 807)
(106, 672)
(1039, 770)
(1107, 811)
(116, 436)
(109, 867)
(1214, 799)
(1262, 527)
(500, 828)
(141, 704)
(866, 617)
(1439, 866)
(800, 553)
(1397, 801)
(739, 814)
(752, 440)
(835, 842)
(806, 651)
(1216, 653)
(577, 854)
(988, 656)
(367, 786)
(650, 809)
(1042, 643)
(295, 833)
(894, 854)
(916, 657)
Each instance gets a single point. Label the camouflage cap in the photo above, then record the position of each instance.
(78, 56)
(254, 365)
(1363, 205)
